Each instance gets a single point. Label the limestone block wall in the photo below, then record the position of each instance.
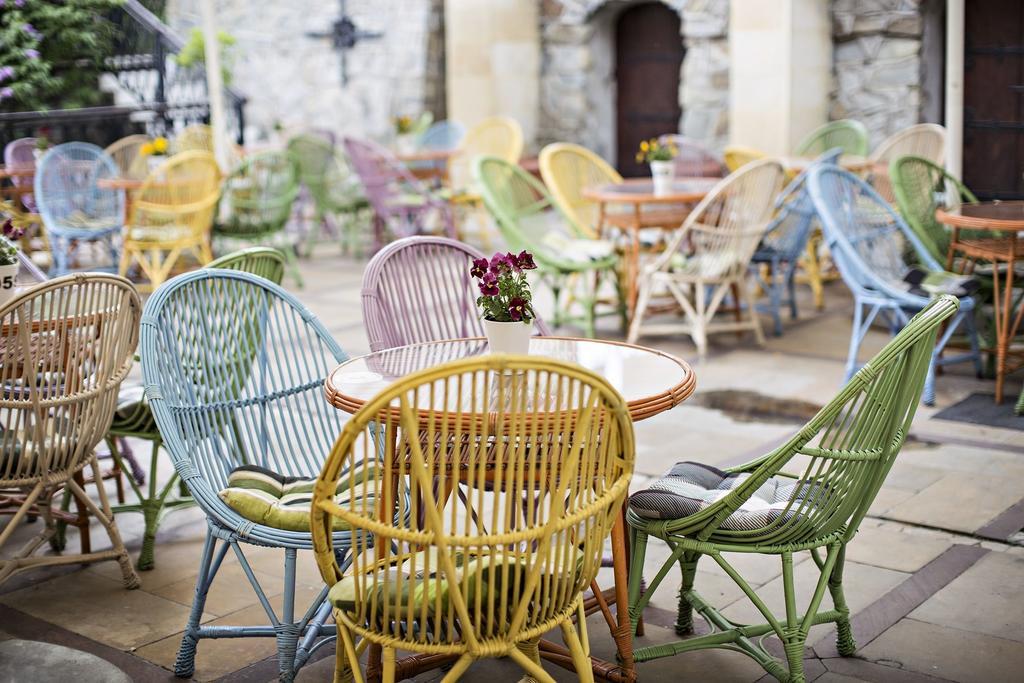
(574, 92)
(296, 79)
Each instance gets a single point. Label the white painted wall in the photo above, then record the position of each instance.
(493, 61)
(780, 71)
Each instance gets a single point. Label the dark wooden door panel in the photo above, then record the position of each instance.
(649, 53)
(994, 98)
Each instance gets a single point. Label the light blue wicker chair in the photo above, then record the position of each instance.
(869, 242)
(74, 210)
(443, 135)
(785, 242)
(234, 370)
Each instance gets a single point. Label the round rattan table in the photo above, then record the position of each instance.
(649, 380)
(992, 237)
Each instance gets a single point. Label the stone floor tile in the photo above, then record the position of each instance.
(230, 592)
(893, 549)
(987, 598)
(101, 609)
(948, 653)
(176, 560)
(836, 678)
(24, 660)
(961, 502)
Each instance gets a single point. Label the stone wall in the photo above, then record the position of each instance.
(572, 100)
(879, 69)
(293, 78)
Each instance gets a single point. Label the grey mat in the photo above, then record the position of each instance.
(980, 409)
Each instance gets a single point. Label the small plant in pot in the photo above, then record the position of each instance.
(42, 144)
(505, 300)
(659, 157)
(155, 152)
(9, 260)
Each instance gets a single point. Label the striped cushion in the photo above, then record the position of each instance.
(266, 497)
(690, 487)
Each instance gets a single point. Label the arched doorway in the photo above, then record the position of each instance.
(648, 54)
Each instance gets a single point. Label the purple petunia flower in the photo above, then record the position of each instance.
(479, 267)
(32, 53)
(11, 232)
(6, 72)
(499, 261)
(525, 261)
(19, 3)
(489, 284)
(6, 92)
(31, 30)
(517, 308)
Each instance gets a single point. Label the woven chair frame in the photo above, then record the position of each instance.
(926, 140)
(65, 348)
(418, 289)
(19, 155)
(843, 455)
(234, 368)
(868, 241)
(540, 453)
(849, 135)
(126, 153)
(718, 238)
(197, 137)
(569, 168)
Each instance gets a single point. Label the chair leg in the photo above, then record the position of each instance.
(287, 634)
(845, 642)
(185, 662)
(684, 617)
(292, 261)
(742, 293)
(699, 321)
(794, 636)
(527, 655)
(346, 661)
(855, 339)
(578, 651)
(638, 545)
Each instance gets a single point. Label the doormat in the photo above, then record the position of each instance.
(981, 409)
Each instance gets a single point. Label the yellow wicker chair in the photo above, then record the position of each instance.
(125, 153)
(567, 169)
(195, 138)
(739, 155)
(171, 217)
(497, 136)
(482, 494)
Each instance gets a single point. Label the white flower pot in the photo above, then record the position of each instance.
(153, 162)
(8, 283)
(508, 337)
(662, 174)
(405, 143)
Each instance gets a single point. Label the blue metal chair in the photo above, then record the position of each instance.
(74, 209)
(785, 242)
(443, 135)
(234, 368)
(869, 242)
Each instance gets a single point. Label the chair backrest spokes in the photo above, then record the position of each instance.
(848, 448)
(234, 367)
(567, 169)
(511, 471)
(849, 135)
(66, 189)
(692, 159)
(787, 235)
(259, 194)
(921, 187)
(497, 136)
(443, 135)
(927, 140)
(183, 192)
(868, 239)
(266, 262)
(65, 347)
(126, 153)
(384, 178)
(197, 137)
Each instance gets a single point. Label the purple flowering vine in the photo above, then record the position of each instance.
(6, 72)
(31, 31)
(6, 92)
(32, 53)
(504, 290)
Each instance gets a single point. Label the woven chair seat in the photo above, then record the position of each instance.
(690, 487)
(169, 232)
(268, 498)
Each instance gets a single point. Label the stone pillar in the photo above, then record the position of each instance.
(955, 87)
(493, 61)
(780, 71)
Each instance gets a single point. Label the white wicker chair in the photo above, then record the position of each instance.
(926, 140)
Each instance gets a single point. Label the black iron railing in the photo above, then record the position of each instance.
(165, 95)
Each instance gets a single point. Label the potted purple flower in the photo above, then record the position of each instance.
(505, 300)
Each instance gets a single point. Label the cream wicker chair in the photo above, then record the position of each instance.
(567, 169)
(125, 153)
(496, 136)
(927, 140)
(494, 484)
(65, 347)
(195, 138)
(710, 255)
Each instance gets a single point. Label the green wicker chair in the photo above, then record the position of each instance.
(1019, 408)
(921, 187)
(844, 453)
(529, 219)
(848, 135)
(135, 419)
(334, 191)
(257, 201)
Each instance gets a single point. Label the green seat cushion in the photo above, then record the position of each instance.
(271, 499)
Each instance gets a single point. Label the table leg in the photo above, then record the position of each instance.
(623, 633)
(1004, 330)
(633, 263)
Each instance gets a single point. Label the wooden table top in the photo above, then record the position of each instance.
(428, 155)
(641, 191)
(649, 380)
(851, 162)
(120, 183)
(994, 216)
(16, 172)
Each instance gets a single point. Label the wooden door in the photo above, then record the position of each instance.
(648, 55)
(994, 99)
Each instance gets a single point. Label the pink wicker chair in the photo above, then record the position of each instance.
(418, 289)
(400, 201)
(692, 159)
(19, 154)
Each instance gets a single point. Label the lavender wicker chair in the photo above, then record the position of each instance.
(400, 202)
(19, 155)
(418, 289)
(692, 159)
